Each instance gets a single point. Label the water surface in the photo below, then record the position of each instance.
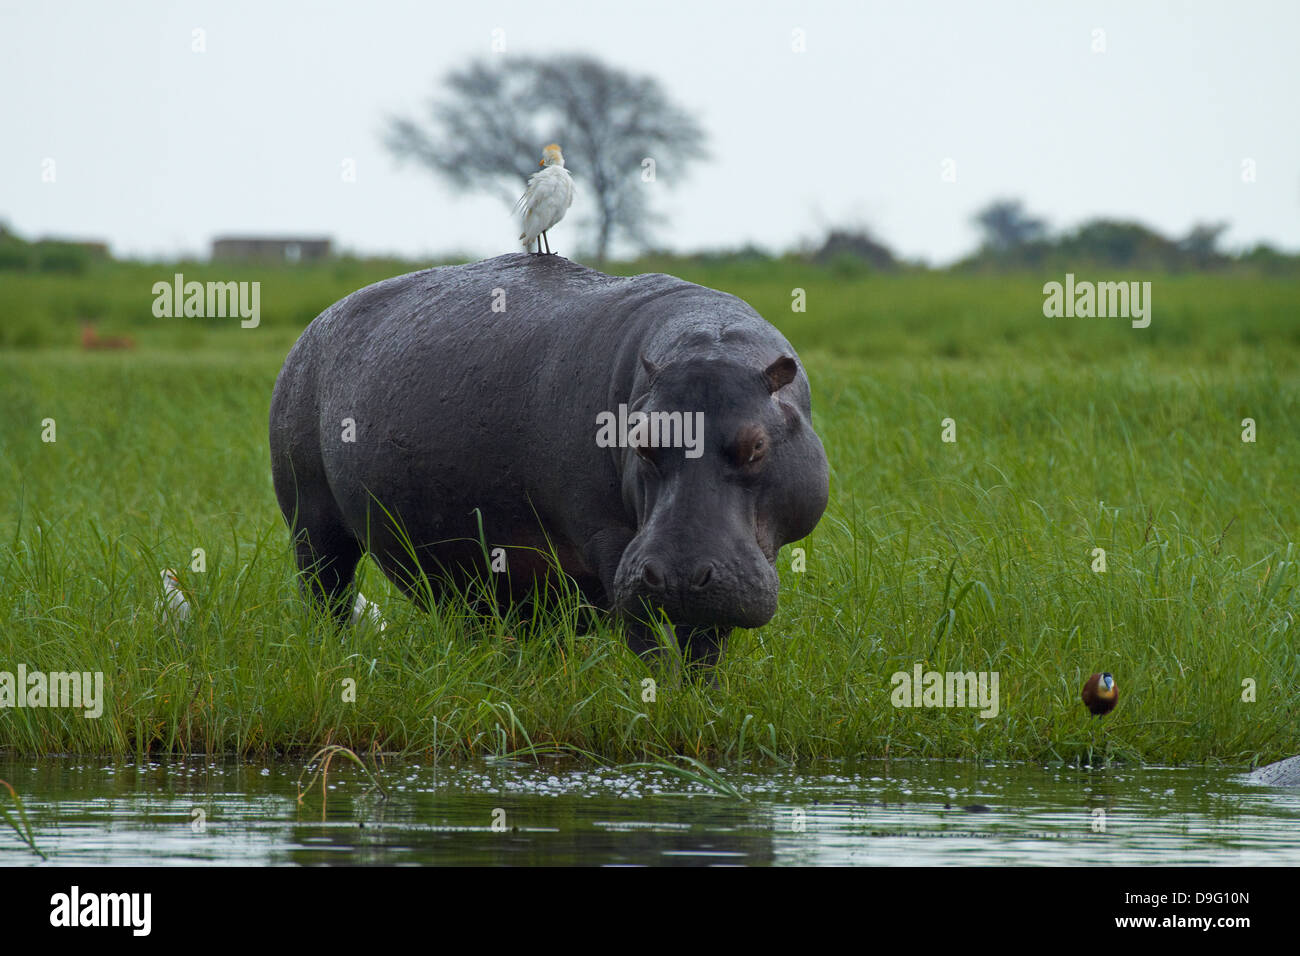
(208, 811)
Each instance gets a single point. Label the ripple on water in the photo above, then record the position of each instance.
(508, 811)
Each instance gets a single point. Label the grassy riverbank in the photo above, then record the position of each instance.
(1072, 435)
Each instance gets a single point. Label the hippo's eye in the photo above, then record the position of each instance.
(647, 454)
(750, 447)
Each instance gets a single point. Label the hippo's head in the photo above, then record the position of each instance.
(713, 508)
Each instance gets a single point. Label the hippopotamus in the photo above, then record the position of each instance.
(1284, 773)
(508, 420)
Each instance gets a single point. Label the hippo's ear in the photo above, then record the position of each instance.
(651, 369)
(780, 373)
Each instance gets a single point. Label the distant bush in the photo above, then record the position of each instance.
(15, 256)
(1114, 243)
(848, 251)
(1015, 242)
(1270, 261)
(19, 255)
(63, 257)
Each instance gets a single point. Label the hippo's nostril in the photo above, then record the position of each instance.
(703, 575)
(652, 576)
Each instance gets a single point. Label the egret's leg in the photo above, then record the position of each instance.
(548, 242)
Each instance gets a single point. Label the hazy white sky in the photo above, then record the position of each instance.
(157, 148)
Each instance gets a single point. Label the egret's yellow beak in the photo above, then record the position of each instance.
(541, 162)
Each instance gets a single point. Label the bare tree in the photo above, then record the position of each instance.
(1201, 245)
(1006, 225)
(490, 128)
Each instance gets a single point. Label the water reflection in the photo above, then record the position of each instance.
(509, 813)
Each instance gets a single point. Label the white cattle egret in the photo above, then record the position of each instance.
(363, 610)
(547, 198)
(174, 607)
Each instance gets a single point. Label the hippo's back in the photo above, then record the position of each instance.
(507, 316)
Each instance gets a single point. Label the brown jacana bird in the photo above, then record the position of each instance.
(1100, 694)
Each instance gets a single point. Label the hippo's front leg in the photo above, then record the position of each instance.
(602, 553)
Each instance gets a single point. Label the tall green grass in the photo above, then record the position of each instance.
(976, 555)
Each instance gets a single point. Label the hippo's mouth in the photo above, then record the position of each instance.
(721, 590)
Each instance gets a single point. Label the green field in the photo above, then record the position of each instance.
(1072, 435)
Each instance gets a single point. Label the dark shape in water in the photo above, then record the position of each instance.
(1284, 773)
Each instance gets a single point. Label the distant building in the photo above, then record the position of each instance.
(272, 249)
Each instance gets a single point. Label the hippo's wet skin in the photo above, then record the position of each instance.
(474, 392)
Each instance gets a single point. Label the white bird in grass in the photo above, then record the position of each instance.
(174, 607)
(547, 198)
(366, 611)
